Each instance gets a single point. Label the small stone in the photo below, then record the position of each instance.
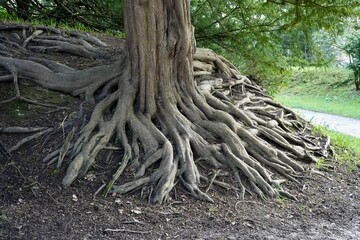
(136, 211)
(74, 198)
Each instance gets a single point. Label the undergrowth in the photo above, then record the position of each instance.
(4, 15)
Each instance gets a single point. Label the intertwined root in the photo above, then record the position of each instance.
(47, 39)
(248, 136)
(227, 126)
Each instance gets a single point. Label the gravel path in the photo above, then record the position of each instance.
(349, 126)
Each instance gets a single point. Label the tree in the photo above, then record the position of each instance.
(353, 49)
(268, 37)
(171, 130)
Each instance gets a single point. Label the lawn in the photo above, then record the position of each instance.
(322, 89)
(328, 90)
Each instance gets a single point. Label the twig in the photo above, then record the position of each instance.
(6, 78)
(321, 174)
(65, 147)
(32, 102)
(9, 100)
(212, 181)
(27, 139)
(125, 160)
(287, 195)
(13, 164)
(51, 155)
(4, 151)
(100, 188)
(52, 198)
(327, 144)
(40, 104)
(126, 230)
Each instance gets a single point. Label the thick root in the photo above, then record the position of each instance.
(226, 123)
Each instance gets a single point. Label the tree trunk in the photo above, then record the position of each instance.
(161, 43)
(171, 130)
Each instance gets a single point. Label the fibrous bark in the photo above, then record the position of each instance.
(173, 128)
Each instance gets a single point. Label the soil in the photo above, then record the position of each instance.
(34, 205)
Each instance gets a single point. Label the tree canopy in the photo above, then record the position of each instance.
(353, 49)
(264, 37)
(269, 36)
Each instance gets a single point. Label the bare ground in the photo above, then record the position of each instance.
(33, 204)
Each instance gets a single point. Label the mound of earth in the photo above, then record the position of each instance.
(34, 204)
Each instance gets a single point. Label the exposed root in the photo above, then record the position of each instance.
(23, 130)
(30, 138)
(17, 38)
(4, 152)
(227, 122)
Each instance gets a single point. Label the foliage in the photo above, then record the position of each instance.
(353, 49)
(334, 91)
(97, 14)
(4, 14)
(263, 37)
(271, 36)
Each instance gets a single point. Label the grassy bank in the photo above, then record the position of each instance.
(327, 90)
(322, 89)
(347, 148)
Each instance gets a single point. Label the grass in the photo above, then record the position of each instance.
(347, 148)
(338, 106)
(322, 89)
(327, 90)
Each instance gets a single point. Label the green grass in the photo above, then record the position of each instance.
(347, 148)
(322, 89)
(327, 90)
(338, 106)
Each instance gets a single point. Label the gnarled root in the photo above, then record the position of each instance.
(227, 122)
(162, 150)
(17, 39)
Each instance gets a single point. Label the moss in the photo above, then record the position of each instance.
(19, 110)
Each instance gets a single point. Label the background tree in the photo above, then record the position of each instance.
(147, 102)
(353, 49)
(267, 37)
(264, 38)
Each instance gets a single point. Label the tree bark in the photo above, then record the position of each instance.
(148, 102)
(161, 43)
